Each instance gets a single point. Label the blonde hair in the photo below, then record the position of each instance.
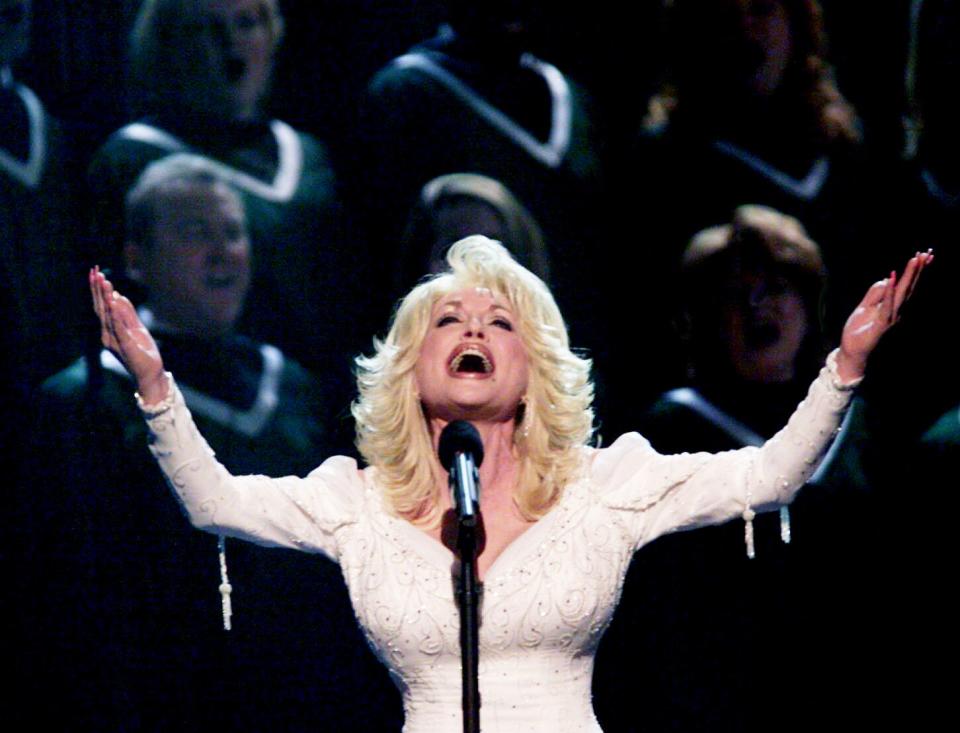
(553, 423)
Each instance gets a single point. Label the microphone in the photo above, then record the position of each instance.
(461, 453)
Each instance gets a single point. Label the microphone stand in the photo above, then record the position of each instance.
(466, 491)
(468, 596)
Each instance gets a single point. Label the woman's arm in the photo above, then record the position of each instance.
(655, 494)
(288, 512)
(666, 493)
(293, 512)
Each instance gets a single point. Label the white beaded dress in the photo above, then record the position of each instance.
(547, 598)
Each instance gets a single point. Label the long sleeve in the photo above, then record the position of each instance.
(655, 493)
(299, 513)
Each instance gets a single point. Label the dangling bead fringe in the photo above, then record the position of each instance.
(225, 588)
(785, 524)
(748, 515)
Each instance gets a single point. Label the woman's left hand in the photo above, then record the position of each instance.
(877, 312)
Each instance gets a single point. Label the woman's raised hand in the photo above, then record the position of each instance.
(877, 312)
(124, 334)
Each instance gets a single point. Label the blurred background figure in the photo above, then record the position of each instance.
(927, 214)
(747, 109)
(38, 226)
(456, 205)
(474, 98)
(924, 213)
(750, 320)
(749, 112)
(710, 634)
(123, 593)
(453, 206)
(931, 139)
(201, 73)
(914, 439)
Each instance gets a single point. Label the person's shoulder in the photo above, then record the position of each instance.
(135, 135)
(344, 483)
(684, 420)
(944, 434)
(344, 470)
(413, 72)
(294, 378)
(627, 452)
(296, 385)
(671, 408)
(67, 382)
(75, 394)
(129, 149)
(314, 149)
(293, 372)
(74, 381)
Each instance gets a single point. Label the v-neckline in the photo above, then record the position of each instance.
(551, 152)
(280, 189)
(806, 188)
(435, 551)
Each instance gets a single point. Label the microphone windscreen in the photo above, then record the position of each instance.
(460, 437)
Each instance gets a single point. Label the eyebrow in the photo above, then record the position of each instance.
(459, 304)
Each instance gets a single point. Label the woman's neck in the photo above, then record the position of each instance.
(500, 469)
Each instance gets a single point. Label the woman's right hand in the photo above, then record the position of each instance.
(124, 334)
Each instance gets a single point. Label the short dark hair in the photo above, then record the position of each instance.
(157, 180)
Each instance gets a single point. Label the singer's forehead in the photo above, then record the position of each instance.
(479, 297)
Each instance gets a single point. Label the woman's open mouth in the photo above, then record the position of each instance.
(471, 359)
(763, 334)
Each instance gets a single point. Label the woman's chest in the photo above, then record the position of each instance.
(553, 585)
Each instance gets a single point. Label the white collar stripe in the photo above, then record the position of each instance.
(937, 191)
(29, 172)
(250, 422)
(807, 189)
(551, 153)
(289, 168)
(728, 424)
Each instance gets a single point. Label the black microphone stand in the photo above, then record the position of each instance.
(461, 453)
(468, 596)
